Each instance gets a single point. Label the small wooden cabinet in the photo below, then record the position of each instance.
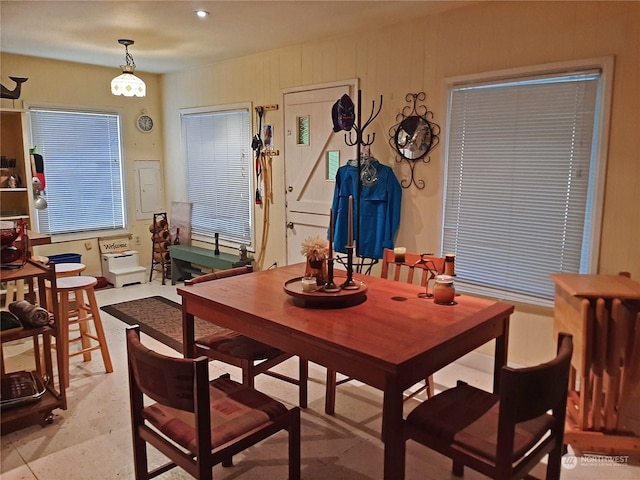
(602, 312)
(16, 191)
(39, 411)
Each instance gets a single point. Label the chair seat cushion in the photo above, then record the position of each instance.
(447, 413)
(468, 418)
(235, 410)
(232, 343)
(482, 435)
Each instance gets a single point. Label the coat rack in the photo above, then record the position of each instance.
(359, 141)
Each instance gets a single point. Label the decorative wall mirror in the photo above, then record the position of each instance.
(414, 136)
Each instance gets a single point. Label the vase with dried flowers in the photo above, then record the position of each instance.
(316, 250)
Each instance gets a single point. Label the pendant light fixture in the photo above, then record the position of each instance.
(127, 83)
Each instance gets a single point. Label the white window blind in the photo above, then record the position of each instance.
(219, 175)
(83, 170)
(519, 186)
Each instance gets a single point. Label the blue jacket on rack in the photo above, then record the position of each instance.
(379, 210)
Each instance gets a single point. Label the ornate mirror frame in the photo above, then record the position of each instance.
(414, 136)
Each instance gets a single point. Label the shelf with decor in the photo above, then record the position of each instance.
(16, 197)
(43, 388)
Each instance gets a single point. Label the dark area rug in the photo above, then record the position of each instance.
(159, 318)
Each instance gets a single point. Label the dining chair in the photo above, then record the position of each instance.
(501, 435)
(251, 356)
(400, 269)
(194, 422)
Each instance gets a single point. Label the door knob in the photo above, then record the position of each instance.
(290, 225)
(290, 188)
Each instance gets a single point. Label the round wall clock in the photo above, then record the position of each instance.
(144, 123)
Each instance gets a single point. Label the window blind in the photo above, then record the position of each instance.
(83, 170)
(219, 174)
(519, 182)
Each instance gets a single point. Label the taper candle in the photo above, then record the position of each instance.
(350, 231)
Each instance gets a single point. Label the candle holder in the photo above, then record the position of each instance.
(433, 271)
(330, 287)
(349, 284)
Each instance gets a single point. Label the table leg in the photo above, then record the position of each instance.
(501, 351)
(188, 331)
(392, 434)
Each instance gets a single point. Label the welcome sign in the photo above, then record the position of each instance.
(114, 245)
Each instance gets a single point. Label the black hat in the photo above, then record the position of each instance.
(343, 114)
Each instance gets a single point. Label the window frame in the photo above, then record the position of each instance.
(30, 108)
(601, 138)
(250, 165)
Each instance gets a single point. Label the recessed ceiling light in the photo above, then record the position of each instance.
(201, 13)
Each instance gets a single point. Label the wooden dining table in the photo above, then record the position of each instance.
(389, 338)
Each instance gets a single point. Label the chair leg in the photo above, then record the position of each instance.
(457, 469)
(303, 379)
(140, 457)
(83, 324)
(97, 321)
(248, 376)
(294, 447)
(430, 386)
(330, 395)
(227, 462)
(554, 463)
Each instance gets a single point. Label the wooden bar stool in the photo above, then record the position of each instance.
(81, 314)
(65, 270)
(69, 269)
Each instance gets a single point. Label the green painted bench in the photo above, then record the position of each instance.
(183, 257)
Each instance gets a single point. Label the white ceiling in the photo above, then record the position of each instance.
(169, 37)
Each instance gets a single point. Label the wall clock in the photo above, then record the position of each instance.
(144, 123)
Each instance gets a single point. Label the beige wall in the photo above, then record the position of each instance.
(419, 56)
(414, 56)
(77, 84)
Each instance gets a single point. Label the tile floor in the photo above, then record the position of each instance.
(91, 439)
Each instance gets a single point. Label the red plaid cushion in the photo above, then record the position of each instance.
(235, 410)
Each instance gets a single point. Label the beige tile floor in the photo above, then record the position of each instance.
(91, 439)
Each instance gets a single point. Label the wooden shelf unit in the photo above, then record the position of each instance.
(15, 203)
(160, 240)
(602, 312)
(40, 411)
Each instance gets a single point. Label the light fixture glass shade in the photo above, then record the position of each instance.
(128, 84)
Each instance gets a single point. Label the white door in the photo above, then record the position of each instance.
(313, 153)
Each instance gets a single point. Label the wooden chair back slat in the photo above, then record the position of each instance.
(412, 262)
(219, 274)
(532, 391)
(167, 380)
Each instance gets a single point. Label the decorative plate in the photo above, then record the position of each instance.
(341, 298)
